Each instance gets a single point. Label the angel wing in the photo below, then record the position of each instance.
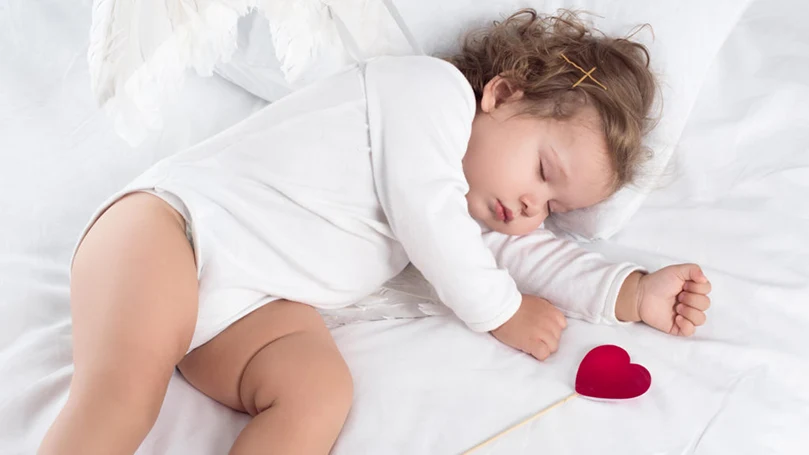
(140, 49)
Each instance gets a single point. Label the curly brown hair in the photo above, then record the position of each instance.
(534, 53)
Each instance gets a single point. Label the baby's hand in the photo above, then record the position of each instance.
(674, 299)
(534, 329)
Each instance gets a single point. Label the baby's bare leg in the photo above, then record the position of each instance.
(280, 365)
(134, 305)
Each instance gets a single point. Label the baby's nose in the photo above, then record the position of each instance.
(531, 206)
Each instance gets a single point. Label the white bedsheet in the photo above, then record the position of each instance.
(737, 203)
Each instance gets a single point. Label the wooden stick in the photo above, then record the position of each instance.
(518, 425)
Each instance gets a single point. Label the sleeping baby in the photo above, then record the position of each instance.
(216, 260)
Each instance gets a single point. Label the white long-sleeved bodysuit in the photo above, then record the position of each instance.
(329, 192)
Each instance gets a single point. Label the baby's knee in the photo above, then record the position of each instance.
(337, 387)
(316, 383)
(326, 391)
(327, 396)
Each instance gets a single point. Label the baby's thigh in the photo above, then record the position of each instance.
(281, 351)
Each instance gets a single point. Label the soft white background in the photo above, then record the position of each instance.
(737, 202)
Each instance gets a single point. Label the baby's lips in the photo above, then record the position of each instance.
(508, 214)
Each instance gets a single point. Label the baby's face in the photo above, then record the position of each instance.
(521, 168)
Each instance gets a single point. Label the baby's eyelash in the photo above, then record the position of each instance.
(541, 171)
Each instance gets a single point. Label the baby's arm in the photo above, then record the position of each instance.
(420, 116)
(584, 285)
(419, 128)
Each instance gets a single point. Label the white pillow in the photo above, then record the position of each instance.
(687, 36)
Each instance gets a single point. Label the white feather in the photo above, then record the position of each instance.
(408, 295)
(140, 49)
(302, 32)
(139, 52)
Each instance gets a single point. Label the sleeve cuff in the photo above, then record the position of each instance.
(608, 313)
(504, 315)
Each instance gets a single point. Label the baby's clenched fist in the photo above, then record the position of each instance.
(534, 329)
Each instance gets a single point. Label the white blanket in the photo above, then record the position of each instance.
(737, 203)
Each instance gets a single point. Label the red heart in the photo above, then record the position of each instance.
(606, 372)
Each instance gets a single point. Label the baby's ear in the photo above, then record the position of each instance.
(498, 91)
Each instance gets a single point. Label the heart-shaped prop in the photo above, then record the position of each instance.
(606, 373)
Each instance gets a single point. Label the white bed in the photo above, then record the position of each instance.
(737, 202)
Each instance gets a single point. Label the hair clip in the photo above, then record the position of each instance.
(586, 74)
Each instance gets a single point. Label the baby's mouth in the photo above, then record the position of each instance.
(503, 213)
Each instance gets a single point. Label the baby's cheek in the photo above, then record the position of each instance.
(479, 212)
(521, 227)
(532, 224)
